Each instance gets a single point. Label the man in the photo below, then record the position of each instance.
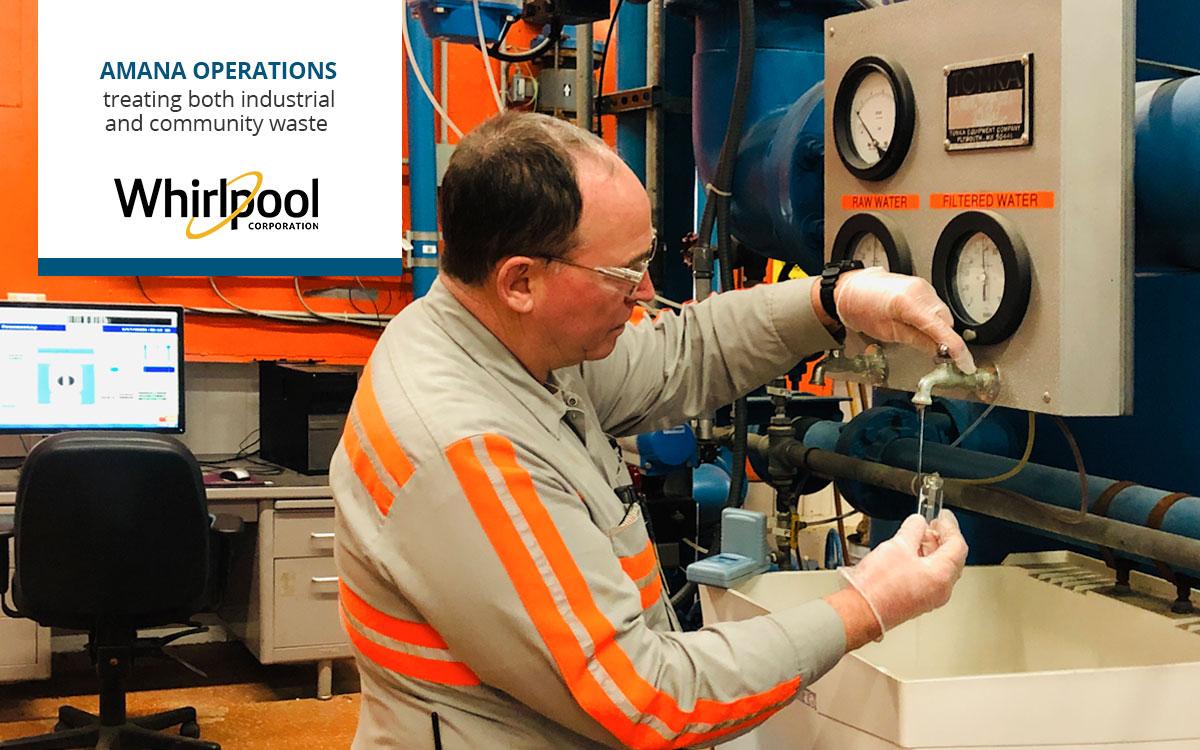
(498, 586)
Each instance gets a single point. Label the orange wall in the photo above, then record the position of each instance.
(209, 338)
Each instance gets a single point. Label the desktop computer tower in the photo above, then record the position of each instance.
(302, 411)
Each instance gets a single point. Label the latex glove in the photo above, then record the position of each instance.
(912, 573)
(896, 308)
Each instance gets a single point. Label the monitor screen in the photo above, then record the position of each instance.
(90, 366)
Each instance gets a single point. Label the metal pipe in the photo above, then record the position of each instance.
(654, 115)
(1172, 549)
(584, 81)
(444, 85)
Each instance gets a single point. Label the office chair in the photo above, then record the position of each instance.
(112, 534)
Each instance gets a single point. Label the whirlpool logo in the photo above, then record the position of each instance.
(209, 209)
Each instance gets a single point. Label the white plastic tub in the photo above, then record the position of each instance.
(1010, 662)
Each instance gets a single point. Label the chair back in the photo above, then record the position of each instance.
(111, 530)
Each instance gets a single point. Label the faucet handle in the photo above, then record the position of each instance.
(943, 352)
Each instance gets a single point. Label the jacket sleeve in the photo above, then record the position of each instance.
(707, 355)
(507, 565)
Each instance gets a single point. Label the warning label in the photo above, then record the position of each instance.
(881, 202)
(988, 104)
(1006, 199)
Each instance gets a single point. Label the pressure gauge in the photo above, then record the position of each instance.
(875, 240)
(981, 269)
(874, 115)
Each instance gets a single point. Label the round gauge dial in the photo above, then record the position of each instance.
(875, 240)
(869, 249)
(874, 115)
(978, 278)
(981, 268)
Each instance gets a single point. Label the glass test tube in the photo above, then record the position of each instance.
(929, 501)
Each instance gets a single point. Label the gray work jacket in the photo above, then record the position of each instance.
(490, 573)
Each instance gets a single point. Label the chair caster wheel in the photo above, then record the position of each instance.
(189, 729)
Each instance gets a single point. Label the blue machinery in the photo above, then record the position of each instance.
(777, 210)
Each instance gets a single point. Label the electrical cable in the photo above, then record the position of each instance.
(1169, 66)
(716, 210)
(737, 115)
(608, 35)
(1084, 495)
(212, 282)
(412, 60)
(242, 312)
(487, 63)
(533, 53)
(326, 316)
(1015, 469)
(737, 468)
(971, 428)
(374, 299)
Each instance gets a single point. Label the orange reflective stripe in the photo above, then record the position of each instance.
(642, 564)
(430, 670)
(416, 633)
(651, 592)
(535, 596)
(364, 469)
(391, 456)
(646, 698)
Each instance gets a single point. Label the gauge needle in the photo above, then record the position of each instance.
(878, 149)
(984, 279)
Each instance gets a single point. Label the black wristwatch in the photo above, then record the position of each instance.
(829, 279)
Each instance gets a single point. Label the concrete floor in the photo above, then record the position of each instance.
(241, 704)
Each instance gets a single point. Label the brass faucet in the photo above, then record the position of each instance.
(984, 383)
(870, 366)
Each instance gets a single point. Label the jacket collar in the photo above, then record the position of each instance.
(492, 356)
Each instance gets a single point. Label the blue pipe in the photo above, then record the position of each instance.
(778, 204)
(1059, 487)
(422, 165)
(631, 74)
(1167, 172)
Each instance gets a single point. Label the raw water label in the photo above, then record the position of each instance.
(989, 103)
(267, 143)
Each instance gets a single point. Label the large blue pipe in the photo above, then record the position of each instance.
(1167, 172)
(422, 165)
(778, 183)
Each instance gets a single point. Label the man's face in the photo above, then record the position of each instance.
(582, 312)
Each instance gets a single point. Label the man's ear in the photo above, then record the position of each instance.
(514, 282)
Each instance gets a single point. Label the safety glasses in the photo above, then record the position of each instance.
(628, 277)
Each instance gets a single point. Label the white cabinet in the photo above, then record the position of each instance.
(282, 600)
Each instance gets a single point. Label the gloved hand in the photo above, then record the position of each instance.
(913, 572)
(893, 307)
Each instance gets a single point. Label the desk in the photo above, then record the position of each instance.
(281, 598)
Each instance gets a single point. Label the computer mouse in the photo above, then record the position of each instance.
(235, 475)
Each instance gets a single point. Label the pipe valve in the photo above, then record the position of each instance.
(984, 383)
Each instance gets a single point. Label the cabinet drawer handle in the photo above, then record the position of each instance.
(321, 535)
(324, 579)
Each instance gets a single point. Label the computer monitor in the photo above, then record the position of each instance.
(67, 366)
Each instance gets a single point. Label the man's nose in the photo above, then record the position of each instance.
(644, 291)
